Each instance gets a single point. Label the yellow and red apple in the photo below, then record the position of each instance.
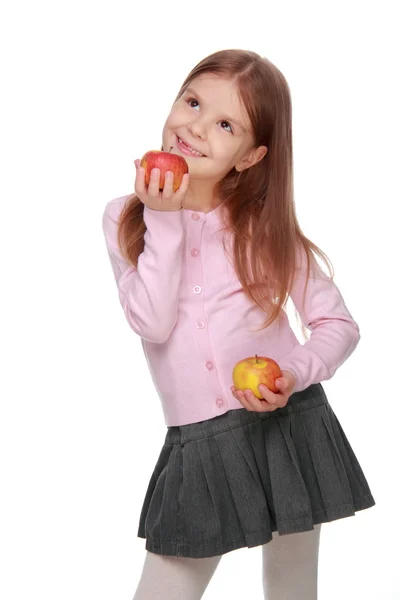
(250, 372)
(165, 161)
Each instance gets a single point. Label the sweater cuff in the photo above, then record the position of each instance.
(162, 216)
(306, 366)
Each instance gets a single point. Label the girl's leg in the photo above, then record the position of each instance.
(290, 566)
(175, 577)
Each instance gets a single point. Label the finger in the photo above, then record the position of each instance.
(183, 188)
(154, 183)
(267, 394)
(137, 163)
(139, 182)
(235, 393)
(282, 403)
(240, 395)
(168, 186)
(242, 399)
(257, 404)
(236, 396)
(254, 402)
(281, 384)
(277, 400)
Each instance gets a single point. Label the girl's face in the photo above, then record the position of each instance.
(210, 119)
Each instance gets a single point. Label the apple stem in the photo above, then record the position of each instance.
(256, 358)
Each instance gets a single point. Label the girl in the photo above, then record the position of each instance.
(197, 271)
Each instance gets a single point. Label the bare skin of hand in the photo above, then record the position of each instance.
(152, 197)
(271, 401)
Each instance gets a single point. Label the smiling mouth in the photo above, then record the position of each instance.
(188, 149)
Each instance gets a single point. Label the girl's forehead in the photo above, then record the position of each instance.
(212, 82)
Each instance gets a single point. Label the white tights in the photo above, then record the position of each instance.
(289, 571)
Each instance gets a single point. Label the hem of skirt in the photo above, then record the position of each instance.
(175, 548)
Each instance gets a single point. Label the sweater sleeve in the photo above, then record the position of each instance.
(334, 333)
(148, 294)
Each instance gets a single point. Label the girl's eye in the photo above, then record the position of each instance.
(226, 123)
(192, 100)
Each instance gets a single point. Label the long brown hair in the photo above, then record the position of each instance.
(259, 201)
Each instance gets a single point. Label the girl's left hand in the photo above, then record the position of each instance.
(271, 401)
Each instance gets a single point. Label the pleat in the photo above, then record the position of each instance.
(290, 496)
(160, 467)
(327, 463)
(359, 487)
(307, 468)
(206, 500)
(255, 432)
(244, 482)
(162, 520)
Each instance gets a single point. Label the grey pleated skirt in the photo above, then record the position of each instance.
(230, 481)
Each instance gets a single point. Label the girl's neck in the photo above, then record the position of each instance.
(201, 198)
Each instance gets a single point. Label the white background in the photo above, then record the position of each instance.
(86, 87)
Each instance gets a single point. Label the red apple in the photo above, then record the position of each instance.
(250, 372)
(165, 161)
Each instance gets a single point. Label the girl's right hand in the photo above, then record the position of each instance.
(157, 199)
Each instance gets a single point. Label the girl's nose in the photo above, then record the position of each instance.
(198, 129)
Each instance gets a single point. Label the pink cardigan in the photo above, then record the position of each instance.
(186, 303)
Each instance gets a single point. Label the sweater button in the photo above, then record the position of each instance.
(210, 366)
(197, 289)
(200, 324)
(195, 217)
(219, 402)
(194, 252)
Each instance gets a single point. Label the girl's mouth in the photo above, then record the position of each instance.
(186, 149)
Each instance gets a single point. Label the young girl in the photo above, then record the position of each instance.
(198, 271)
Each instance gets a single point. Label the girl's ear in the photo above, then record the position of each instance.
(254, 157)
